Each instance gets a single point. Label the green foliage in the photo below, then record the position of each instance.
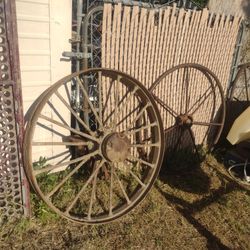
(22, 225)
(201, 2)
(41, 211)
(40, 163)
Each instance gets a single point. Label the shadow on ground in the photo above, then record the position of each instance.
(197, 181)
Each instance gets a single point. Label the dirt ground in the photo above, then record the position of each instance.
(199, 209)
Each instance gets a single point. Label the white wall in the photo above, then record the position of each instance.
(44, 29)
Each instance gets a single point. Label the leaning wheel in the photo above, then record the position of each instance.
(240, 89)
(191, 102)
(94, 173)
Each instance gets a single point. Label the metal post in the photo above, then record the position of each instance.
(236, 57)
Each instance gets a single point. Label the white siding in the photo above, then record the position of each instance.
(44, 28)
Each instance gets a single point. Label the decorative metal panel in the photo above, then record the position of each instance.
(13, 186)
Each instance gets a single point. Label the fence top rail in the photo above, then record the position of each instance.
(170, 4)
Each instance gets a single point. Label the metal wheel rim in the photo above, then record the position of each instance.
(210, 76)
(246, 88)
(136, 197)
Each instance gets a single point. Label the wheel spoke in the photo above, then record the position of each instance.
(73, 113)
(137, 178)
(60, 144)
(121, 185)
(50, 129)
(133, 158)
(116, 97)
(133, 130)
(145, 145)
(55, 156)
(69, 128)
(138, 116)
(119, 103)
(194, 144)
(111, 191)
(71, 205)
(57, 113)
(202, 99)
(89, 102)
(63, 159)
(165, 106)
(182, 90)
(178, 141)
(67, 92)
(59, 185)
(128, 115)
(53, 167)
(167, 130)
(132, 94)
(246, 84)
(107, 99)
(93, 194)
(100, 95)
(187, 88)
(207, 124)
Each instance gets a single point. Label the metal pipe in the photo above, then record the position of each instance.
(236, 57)
(85, 48)
(78, 30)
(133, 3)
(85, 44)
(78, 37)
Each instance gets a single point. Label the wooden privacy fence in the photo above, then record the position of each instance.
(144, 43)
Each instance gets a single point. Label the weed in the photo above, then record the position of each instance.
(41, 211)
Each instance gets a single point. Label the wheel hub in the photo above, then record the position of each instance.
(115, 147)
(184, 120)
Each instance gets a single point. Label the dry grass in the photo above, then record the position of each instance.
(200, 209)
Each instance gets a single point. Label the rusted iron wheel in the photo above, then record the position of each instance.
(238, 100)
(106, 176)
(240, 89)
(191, 101)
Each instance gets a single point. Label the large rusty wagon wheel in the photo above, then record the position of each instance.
(106, 176)
(238, 100)
(240, 90)
(192, 105)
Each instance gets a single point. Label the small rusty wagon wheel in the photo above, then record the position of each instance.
(106, 176)
(240, 89)
(192, 105)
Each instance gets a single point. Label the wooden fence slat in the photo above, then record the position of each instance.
(135, 41)
(117, 36)
(113, 37)
(156, 68)
(167, 63)
(144, 22)
(147, 49)
(127, 11)
(152, 55)
(139, 40)
(164, 41)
